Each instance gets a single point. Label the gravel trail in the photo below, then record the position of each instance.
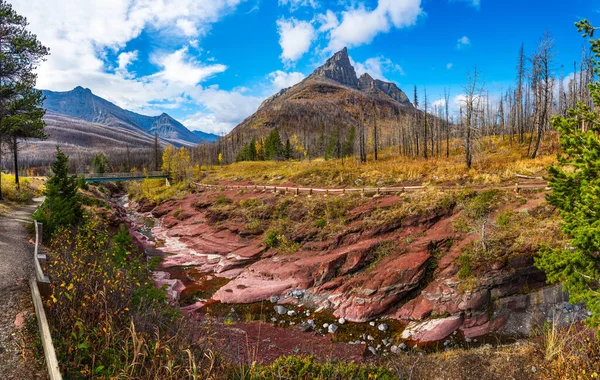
(16, 267)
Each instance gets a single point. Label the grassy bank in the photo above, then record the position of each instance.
(496, 162)
(29, 189)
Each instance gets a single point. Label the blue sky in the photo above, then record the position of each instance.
(210, 63)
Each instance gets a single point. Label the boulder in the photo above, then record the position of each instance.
(433, 330)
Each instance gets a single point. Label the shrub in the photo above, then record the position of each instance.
(107, 317)
(464, 261)
(481, 205)
(503, 219)
(271, 239)
(320, 223)
(306, 367)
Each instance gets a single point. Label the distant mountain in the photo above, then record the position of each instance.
(81, 103)
(208, 137)
(331, 99)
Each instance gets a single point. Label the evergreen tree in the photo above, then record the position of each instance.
(62, 206)
(348, 147)
(20, 54)
(575, 184)
(332, 150)
(287, 151)
(23, 119)
(273, 147)
(100, 163)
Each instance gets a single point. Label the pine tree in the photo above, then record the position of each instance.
(62, 206)
(575, 184)
(287, 151)
(100, 163)
(21, 53)
(273, 147)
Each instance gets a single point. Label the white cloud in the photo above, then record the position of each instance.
(295, 38)
(449, 65)
(360, 25)
(82, 34)
(296, 4)
(224, 110)
(463, 42)
(125, 59)
(187, 27)
(281, 79)
(328, 21)
(376, 67)
(177, 68)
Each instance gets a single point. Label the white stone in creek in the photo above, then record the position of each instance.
(280, 310)
(332, 328)
(382, 327)
(342, 321)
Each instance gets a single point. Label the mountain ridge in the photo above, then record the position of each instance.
(82, 103)
(329, 102)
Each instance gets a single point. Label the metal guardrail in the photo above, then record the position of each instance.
(40, 284)
(126, 175)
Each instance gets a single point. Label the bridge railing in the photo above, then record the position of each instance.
(126, 175)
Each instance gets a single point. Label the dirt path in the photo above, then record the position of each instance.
(16, 267)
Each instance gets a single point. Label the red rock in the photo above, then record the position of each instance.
(20, 320)
(484, 329)
(174, 287)
(433, 330)
(371, 293)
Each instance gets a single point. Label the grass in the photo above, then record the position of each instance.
(30, 188)
(499, 163)
(155, 190)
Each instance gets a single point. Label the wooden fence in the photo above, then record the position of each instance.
(367, 190)
(40, 284)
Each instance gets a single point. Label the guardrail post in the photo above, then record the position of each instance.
(362, 192)
(377, 194)
(297, 191)
(343, 192)
(326, 192)
(310, 191)
(517, 188)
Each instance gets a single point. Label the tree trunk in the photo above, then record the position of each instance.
(1, 197)
(16, 162)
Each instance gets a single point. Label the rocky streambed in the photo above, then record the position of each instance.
(339, 299)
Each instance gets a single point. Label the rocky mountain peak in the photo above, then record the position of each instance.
(82, 90)
(339, 69)
(366, 82)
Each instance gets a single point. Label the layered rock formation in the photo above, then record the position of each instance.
(339, 69)
(416, 282)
